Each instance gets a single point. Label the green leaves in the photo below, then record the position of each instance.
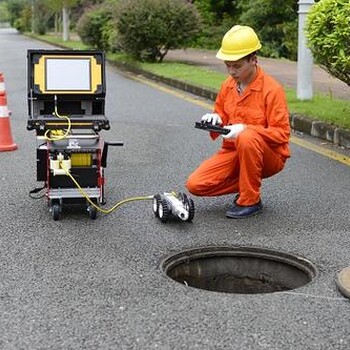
(95, 28)
(275, 21)
(328, 33)
(147, 29)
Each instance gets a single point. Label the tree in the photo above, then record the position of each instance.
(216, 10)
(328, 33)
(147, 29)
(275, 21)
(14, 8)
(42, 15)
(4, 14)
(64, 6)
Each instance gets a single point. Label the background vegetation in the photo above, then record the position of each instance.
(328, 31)
(274, 20)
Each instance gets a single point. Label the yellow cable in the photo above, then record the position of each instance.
(60, 137)
(105, 211)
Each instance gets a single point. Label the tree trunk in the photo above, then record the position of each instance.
(56, 24)
(65, 23)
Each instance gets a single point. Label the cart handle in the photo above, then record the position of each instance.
(105, 151)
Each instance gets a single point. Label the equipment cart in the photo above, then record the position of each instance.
(66, 106)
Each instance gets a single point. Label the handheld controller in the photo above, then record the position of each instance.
(211, 127)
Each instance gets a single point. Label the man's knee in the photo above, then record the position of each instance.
(193, 185)
(248, 139)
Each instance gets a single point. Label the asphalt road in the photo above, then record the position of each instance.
(82, 284)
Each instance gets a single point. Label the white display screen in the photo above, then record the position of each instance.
(68, 74)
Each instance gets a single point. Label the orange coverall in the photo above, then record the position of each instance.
(259, 151)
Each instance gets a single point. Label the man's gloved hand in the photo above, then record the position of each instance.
(212, 118)
(235, 130)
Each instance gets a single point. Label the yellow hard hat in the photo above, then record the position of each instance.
(237, 43)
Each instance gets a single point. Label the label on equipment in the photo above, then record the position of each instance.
(73, 144)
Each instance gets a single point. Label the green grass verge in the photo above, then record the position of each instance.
(57, 40)
(322, 107)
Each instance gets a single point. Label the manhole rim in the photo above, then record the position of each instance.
(297, 261)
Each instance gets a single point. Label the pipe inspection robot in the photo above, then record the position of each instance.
(66, 107)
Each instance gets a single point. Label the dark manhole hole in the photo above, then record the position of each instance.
(242, 270)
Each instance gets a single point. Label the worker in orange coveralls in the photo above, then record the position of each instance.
(253, 107)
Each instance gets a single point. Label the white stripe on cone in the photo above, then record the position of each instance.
(2, 87)
(4, 113)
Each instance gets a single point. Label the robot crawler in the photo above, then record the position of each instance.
(173, 204)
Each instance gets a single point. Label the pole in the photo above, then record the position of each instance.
(305, 60)
(65, 22)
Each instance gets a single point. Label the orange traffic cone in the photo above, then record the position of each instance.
(6, 142)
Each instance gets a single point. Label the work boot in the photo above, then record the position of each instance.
(236, 211)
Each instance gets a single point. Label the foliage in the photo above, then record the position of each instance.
(96, 29)
(217, 18)
(24, 22)
(42, 15)
(328, 33)
(275, 21)
(15, 8)
(4, 15)
(215, 10)
(148, 29)
(82, 6)
(109, 37)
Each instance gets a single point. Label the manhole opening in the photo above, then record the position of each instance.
(243, 270)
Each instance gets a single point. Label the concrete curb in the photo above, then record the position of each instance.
(299, 123)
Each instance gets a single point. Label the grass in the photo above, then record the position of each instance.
(188, 73)
(322, 107)
(57, 40)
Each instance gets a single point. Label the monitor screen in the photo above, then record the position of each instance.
(68, 74)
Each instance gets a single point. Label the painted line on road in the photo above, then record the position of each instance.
(321, 150)
(296, 140)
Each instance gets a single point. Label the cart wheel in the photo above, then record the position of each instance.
(163, 210)
(92, 212)
(189, 206)
(56, 211)
(156, 203)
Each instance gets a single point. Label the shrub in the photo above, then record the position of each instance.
(95, 28)
(14, 9)
(24, 22)
(109, 38)
(328, 33)
(147, 29)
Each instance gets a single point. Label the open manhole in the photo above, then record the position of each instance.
(241, 270)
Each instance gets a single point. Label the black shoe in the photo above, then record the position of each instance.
(236, 211)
